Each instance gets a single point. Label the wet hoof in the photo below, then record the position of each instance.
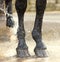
(23, 53)
(10, 22)
(40, 53)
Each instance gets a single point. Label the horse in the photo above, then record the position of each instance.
(22, 48)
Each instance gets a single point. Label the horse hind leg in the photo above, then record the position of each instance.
(36, 33)
(9, 18)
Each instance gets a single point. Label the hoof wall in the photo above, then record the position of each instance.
(23, 53)
(40, 53)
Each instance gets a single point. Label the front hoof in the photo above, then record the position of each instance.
(22, 53)
(40, 53)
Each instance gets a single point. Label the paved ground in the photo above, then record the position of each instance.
(51, 37)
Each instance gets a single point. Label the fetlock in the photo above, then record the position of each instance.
(35, 34)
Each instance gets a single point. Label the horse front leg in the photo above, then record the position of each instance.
(37, 33)
(22, 49)
(9, 18)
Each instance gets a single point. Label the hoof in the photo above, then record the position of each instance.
(40, 53)
(10, 22)
(22, 53)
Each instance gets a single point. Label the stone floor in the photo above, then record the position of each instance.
(51, 37)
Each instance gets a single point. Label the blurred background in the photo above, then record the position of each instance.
(52, 5)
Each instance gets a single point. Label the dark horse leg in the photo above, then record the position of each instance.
(9, 18)
(22, 49)
(36, 33)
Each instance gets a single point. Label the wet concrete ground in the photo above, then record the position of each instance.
(51, 37)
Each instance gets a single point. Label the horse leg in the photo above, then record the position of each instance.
(36, 33)
(9, 18)
(22, 49)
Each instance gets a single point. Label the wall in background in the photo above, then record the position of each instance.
(52, 5)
